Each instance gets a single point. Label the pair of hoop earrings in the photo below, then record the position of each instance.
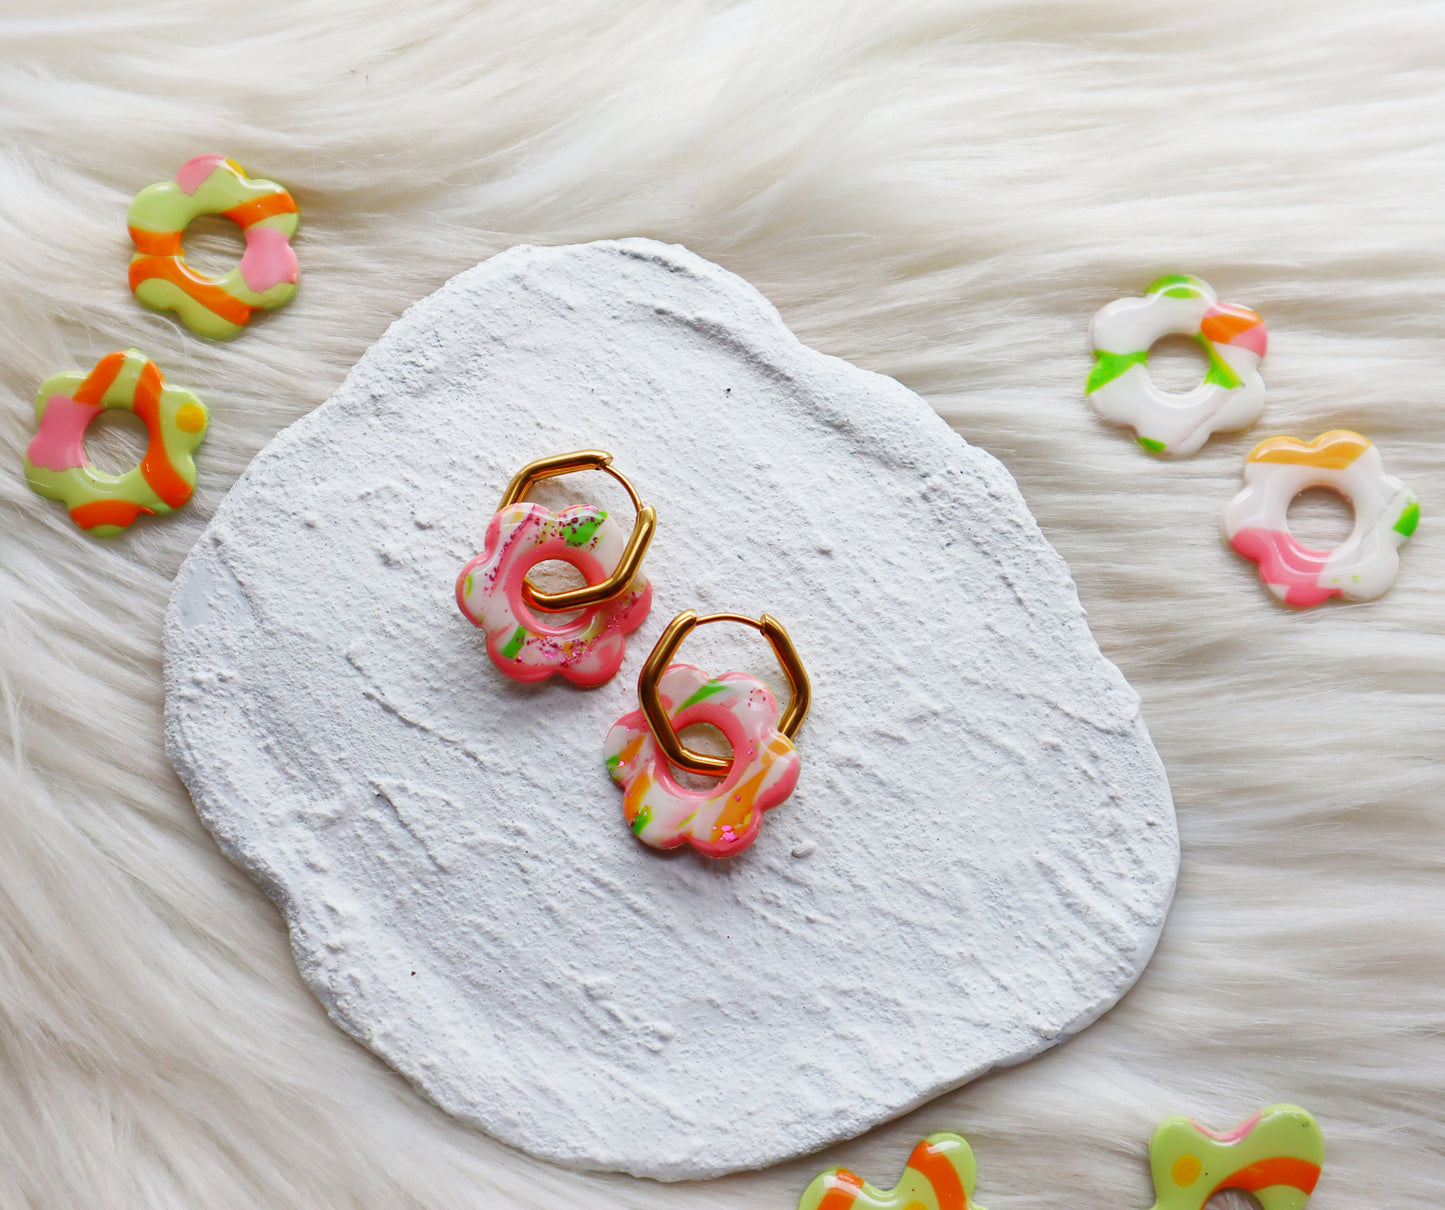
(643, 747)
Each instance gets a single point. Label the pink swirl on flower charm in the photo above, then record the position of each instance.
(587, 650)
(720, 820)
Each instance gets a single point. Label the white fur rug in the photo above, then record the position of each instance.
(944, 192)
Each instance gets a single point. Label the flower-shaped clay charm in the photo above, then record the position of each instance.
(940, 1175)
(1275, 1155)
(491, 593)
(57, 466)
(1122, 392)
(1365, 564)
(215, 307)
(719, 820)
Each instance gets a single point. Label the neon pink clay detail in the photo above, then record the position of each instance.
(1254, 338)
(193, 173)
(1231, 1136)
(268, 259)
(1282, 560)
(60, 443)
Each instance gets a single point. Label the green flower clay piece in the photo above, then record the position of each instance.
(940, 1175)
(216, 307)
(1275, 1155)
(56, 464)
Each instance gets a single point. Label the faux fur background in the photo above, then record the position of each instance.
(941, 191)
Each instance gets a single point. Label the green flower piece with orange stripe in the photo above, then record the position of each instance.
(940, 1175)
(56, 464)
(1275, 1155)
(268, 272)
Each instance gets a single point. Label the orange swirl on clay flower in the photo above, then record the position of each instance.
(940, 1175)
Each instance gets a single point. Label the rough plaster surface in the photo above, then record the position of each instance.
(981, 849)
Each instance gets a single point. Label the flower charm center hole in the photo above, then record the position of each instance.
(1177, 364)
(707, 739)
(1320, 518)
(213, 245)
(556, 576)
(116, 441)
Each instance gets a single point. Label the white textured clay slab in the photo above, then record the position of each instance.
(981, 849)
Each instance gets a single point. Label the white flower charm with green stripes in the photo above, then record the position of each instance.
(1121, 390)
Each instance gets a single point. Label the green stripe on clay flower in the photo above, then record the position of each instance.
(579, 533)
(702, 694)
(1110, 365)
(1219, 372)
(514, 644)
(1179, 285)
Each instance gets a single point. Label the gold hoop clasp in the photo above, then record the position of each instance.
(627, 566)
(655, 713)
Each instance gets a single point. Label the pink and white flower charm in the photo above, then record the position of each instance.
(723, 819)
(494, 594)
(1366, 563)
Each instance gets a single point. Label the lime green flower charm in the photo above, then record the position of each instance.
(216, 307)
(940, 1175)
(56, 464)
(1275, 1155)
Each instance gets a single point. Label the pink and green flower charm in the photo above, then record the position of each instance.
(57, 466)
(491, 592)
(720, 820)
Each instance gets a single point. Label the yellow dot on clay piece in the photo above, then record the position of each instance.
(190, 418)
(1186, 1170)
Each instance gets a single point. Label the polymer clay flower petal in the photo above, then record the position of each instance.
(940, 1175)
(1275, 1155)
